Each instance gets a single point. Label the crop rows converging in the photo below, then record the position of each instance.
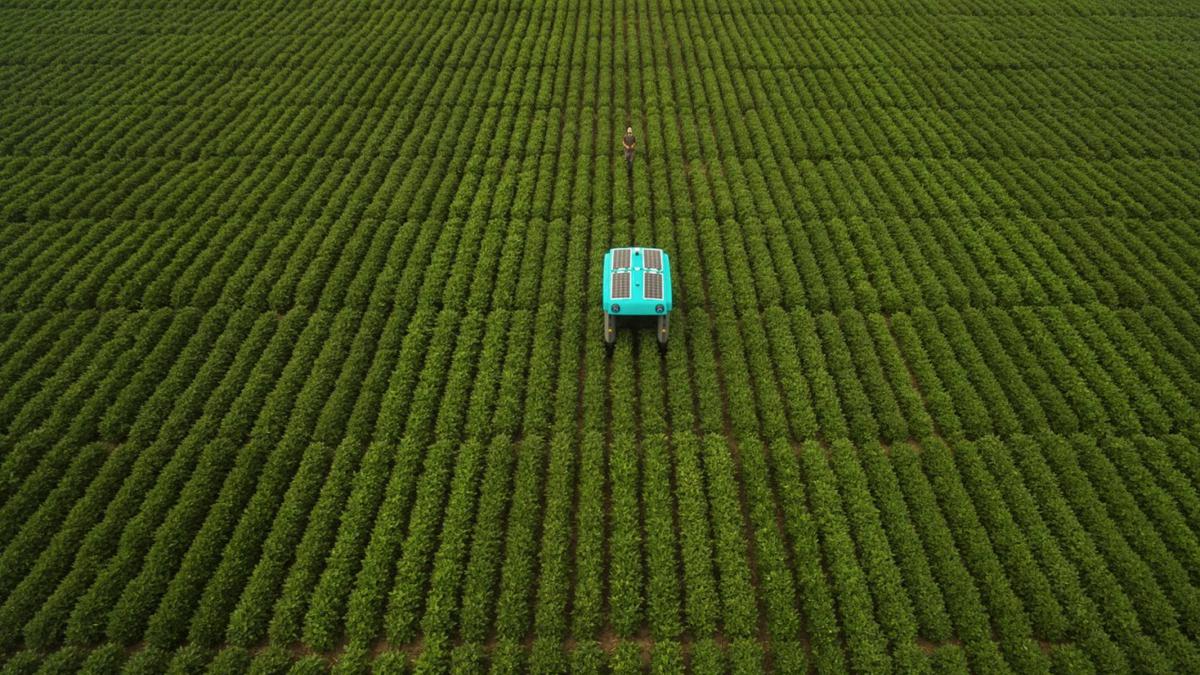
(300, 356)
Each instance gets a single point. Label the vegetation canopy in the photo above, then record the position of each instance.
(301, 362)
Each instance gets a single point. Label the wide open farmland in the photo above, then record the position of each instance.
(300, 336)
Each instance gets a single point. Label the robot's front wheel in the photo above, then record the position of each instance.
(664, 324)
(610, 329)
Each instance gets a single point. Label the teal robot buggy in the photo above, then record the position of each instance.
(637, 283)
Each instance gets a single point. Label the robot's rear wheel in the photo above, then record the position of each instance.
(610, 329)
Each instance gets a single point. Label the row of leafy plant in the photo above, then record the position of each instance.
(860, 553)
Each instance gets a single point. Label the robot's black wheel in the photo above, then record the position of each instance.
(610, 329)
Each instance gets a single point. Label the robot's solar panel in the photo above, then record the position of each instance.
(620, 259)
(652, 258)
(620, 285)
(652, 284)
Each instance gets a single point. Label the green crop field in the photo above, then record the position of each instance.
(300, 336)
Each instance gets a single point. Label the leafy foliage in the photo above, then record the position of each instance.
(299, 367)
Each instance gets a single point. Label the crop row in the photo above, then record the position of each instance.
(499, 150)
(496, 155)
(838, 72)
(270, 407)
(808, 131)
(900, 36)
(846, 556)
(490, 265)
(298, 337)
(432, 374)
(742, 657)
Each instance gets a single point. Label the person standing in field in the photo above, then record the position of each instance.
(630, 143)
